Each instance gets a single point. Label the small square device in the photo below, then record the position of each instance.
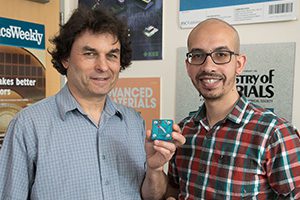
(162, 129)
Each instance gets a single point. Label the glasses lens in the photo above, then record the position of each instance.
(218, 57)
(221, 57)
(196, 58)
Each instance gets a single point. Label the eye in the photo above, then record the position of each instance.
(198, 55)
(113, 56)
(221, 53)
(90, 54)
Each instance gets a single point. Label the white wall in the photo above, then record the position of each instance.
(174, 37)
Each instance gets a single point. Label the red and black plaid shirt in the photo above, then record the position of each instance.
(251, 154)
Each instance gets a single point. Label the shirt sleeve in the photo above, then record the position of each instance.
(283, 161)
(16, 168)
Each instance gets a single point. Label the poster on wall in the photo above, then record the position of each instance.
(142, 94)
(191, 12)
(144, 19)
(22, 68)
(267, 80)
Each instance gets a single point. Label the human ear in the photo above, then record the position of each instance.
(65, 63)
(187, 67)
(241, 62)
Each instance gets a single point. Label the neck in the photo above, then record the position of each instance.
(93, 109)
(92, 106)
(218, 109)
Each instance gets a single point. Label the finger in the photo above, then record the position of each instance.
(148, 135)
(165, 153)
(178, 138)
(170, 198)
(166, 145)
(176, 128)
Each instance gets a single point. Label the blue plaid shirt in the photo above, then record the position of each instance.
(52, 150)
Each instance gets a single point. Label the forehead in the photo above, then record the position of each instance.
(96, 40)
(212, 35)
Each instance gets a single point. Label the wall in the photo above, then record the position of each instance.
(40, 13)
(175, 37)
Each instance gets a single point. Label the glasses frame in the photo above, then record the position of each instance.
(209, 54)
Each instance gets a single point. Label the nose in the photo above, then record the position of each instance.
(208, 57)
(101, 64)
(208, 64)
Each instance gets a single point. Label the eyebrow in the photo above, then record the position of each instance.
(88, 48)
(216, 49)
(221, 48)
(197, 50)
(116, 50)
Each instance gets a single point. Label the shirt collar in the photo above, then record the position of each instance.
(236, 115)
(113, 108)
(239, 110)
(66, 103)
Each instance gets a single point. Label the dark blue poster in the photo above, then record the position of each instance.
(22, 68)
(144, 18)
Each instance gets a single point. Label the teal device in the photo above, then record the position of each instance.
(162, 129)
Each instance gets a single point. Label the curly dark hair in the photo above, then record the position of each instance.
(96, 20)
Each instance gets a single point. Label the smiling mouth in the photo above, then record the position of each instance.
(210, 81)
(100, 78)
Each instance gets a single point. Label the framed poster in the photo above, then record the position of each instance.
(22, 68)
(191, 12)
(267, 80)
(144, 19)
(142, 94)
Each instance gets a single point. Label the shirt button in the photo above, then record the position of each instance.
(103, 157)
(106, 182)
(202, 169)
(244, 193)
(221, 158)
(208, 136)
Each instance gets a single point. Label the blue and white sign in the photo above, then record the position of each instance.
(21, 34)
(237, 11)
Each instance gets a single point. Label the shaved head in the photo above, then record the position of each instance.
(217, 25)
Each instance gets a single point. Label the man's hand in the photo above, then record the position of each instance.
(160, 152)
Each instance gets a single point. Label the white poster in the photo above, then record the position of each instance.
(237, 11)
(267, 80)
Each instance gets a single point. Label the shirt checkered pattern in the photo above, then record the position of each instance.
(52, 150)
(251, 154)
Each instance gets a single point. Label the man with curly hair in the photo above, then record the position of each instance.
(79, 144)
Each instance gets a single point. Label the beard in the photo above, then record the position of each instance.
(213, 94)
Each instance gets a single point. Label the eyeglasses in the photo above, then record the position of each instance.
(218, 57)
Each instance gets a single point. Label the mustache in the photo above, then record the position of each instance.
(209, 75)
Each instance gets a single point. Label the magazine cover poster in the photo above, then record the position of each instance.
(267, 79)
(191, 12)
(144, 19)
(142, 94)
(22, 68)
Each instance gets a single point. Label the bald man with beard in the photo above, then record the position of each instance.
(234, 149)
